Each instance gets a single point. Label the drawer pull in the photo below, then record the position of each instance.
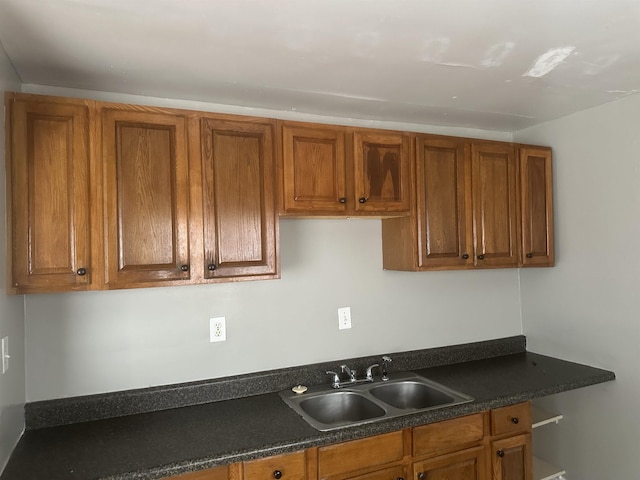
(514, 420)
(421, 476)
(277, 474)
(342, 200)
(82, 271)
(500, 453)
(184, 268)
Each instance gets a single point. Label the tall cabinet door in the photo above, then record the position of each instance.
(537, 207)
(381, 171)
(146, 197)
(511, 458)
(495, 207)
(441, 193)
(239, 215)
(48, 166)
(313, 169)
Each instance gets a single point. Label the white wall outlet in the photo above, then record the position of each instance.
(344, 318)
(217, 329)
(5, 354)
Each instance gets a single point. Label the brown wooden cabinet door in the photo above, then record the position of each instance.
(239, 218)
(511, 458)
(442, 194)
(495, 207)
(313, 170)
(146, 197)
(48, 167)
(537, 207)
(464, 465)
(381, 172)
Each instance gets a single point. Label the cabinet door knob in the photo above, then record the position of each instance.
(529, 255)
(465, 256)
(82, 271)
(515, 420)
(421, 476)
(500, 453)
(362, 199)
(277, 474)
(480, 257)
(399, 478)
(184, 268)
(342, 200)
(211, 267)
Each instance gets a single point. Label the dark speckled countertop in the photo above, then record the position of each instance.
(168, 442)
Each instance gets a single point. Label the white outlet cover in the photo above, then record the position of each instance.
(217, 329)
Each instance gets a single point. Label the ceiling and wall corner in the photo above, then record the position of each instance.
(500, 65)
(12, 316)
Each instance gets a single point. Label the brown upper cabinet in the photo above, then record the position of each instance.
(328, 170)
(105, 196)
(468, 207)
(537, 207)
(48, 204)
(146, 196)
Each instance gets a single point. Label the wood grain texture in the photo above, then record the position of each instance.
(467, 464)
(313, 169)
(48, 167)
(512, 458)
(146, 197)
(360, 454)
(457, 433)
(291, 466)
(511, 419)
(536, 199)
(239, 214)
(495, 207)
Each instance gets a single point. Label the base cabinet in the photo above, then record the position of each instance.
(512, 458)
(465, 465)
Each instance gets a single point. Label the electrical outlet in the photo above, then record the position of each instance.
(5, 354)
(344, 318)
(217, 329)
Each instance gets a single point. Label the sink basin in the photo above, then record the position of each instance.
(326, 408)
(410, 394)
(341, 407)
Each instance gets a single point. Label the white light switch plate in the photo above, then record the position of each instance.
(344, 318)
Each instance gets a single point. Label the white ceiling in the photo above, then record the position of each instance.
(490, 64)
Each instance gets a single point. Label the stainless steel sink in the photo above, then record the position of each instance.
(326, 408)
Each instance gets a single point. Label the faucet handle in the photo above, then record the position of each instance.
(335, 381)
(386, 360)
(370, 371)
(348, 371)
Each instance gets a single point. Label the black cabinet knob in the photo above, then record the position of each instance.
(421, 476)
(82, 271)
(277, 474)
(515, 420)
(465, 256)
(211, 267)
(399, 478)
(362, 199)
(480, 257)
(184, 268)
(342, 200)
(500, 453)
(529, 255)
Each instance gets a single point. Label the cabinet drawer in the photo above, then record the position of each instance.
(285, 467)
(511, 419)
(360, 454)
(218, 473)
(447, 435)
(392, 473)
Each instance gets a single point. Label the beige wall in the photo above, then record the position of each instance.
(587, 308)
(12, 383)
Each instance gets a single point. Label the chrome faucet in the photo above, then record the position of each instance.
(353, 378)
(348, 371)
(386, 360)
(335, 381)
(370, 372)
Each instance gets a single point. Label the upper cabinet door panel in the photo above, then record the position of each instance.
(50, 196)
(495, 208)
(441, 209)
(382, 171)
(238, 198)
(146, 190)
(314, 167)
(537, 207)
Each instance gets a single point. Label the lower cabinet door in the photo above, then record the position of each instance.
(464, 465)
(392, 473)
(511, 458)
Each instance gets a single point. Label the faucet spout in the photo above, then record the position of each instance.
(348, 371)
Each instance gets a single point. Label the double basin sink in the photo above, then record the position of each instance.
(326, 408)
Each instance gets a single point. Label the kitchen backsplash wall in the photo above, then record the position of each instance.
(90, 342)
